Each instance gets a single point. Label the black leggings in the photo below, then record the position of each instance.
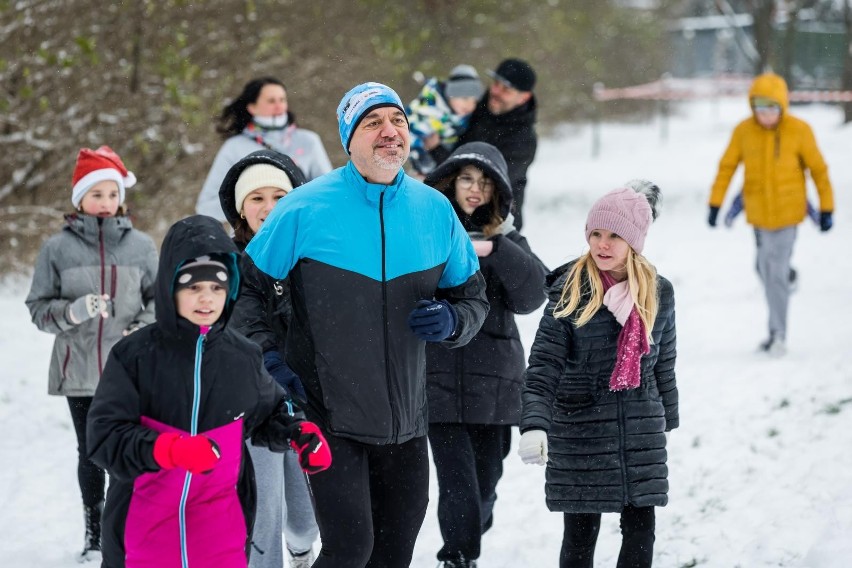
(370, 503)
(581, 534)
(90, 476)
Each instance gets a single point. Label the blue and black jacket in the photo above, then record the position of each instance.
(359, 256)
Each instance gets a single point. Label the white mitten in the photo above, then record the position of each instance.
(88, 306)
(533, 447)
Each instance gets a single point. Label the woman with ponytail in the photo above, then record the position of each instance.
(599, 393)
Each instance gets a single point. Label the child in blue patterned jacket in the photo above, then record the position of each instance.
(440, 113)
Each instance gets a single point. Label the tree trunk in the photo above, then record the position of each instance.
(847, 64)
(762, 12)
(789, 56)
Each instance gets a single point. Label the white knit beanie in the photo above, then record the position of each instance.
(257, 176)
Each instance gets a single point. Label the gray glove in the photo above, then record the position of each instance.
(86, 307)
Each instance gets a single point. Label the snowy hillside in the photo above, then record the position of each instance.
(760, 469)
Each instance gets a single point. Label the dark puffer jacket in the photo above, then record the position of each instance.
(481, 382)
(262, 312)
(607, 449)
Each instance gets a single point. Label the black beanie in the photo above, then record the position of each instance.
(201, 269)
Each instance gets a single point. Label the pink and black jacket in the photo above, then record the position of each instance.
(172, 377)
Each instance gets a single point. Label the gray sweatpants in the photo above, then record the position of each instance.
(283, 502)
(774, 250)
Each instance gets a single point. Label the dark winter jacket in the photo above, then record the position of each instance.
(91, 256)
(481, 382)
(606, 449)
(168, 377)
(513, 133)
(263, 310)
(359, 256)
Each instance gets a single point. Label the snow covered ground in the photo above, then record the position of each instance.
(760, 469)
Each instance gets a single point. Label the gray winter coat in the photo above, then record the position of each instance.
(304, 147)
(91, 256)
(606, 449)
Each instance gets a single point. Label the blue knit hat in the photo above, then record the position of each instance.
(359, 101)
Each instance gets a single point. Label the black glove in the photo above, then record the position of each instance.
(711, 219)
(283, 374)
(432, 320)
(825, 221)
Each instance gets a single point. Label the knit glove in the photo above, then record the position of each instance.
(314, 454)
(282, 373)
(825, 221)
(533, 447)
(196, 454)
(711, 217)
(433, 320)
(86, 307)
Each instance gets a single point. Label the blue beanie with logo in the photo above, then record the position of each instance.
(360, 100)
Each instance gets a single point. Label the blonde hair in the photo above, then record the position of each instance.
(585, 278)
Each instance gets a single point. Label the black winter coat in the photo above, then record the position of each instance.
(149, 375)
(606, 449)
(481, 382)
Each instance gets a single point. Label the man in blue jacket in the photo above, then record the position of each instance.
(378, 264)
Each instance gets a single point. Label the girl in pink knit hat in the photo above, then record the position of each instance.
(600, 392)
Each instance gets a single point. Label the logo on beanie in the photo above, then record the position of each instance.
(353, 107)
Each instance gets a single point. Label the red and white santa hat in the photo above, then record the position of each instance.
(94, 166)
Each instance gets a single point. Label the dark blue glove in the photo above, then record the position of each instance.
(283, 374)
(711, 218)
(736, 209)
(433, 320)
(825, 221)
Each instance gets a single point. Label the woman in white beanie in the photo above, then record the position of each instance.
(599, 391)
(250, 190)
(260, 118)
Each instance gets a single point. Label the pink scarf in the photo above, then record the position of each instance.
(632, 341)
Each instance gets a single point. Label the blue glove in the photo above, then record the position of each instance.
(433, 320)
(711, 218)
(283, 374)
(813, 214)
(825, 221)
(736, 209)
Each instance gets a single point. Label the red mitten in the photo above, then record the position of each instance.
(196, 454)
(310, 444)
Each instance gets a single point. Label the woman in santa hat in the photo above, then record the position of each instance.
(93, 283)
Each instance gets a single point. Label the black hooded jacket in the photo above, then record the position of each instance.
(513, 134)
(481, 382)
(150, 375)
(262, 312)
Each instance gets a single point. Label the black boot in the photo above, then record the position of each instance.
(92, 544)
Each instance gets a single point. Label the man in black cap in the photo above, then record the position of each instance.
(505, 118)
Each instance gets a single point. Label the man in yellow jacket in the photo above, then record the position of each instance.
(776, 148)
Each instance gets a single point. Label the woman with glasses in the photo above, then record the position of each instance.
(474, 391)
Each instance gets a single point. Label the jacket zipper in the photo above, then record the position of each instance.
(621, 444)
(193, 431)
(65, 367)
(113, 283)
(394, 425)
(103, 286)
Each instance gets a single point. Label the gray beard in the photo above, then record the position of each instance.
(389, 163)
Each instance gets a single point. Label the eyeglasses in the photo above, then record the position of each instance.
(767, 109)
(485, 185)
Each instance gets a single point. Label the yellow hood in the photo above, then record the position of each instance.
(770, 86)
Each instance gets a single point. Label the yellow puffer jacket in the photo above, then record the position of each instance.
(774, 190)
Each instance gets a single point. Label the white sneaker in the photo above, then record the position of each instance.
(303, 560)
(774, 347)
